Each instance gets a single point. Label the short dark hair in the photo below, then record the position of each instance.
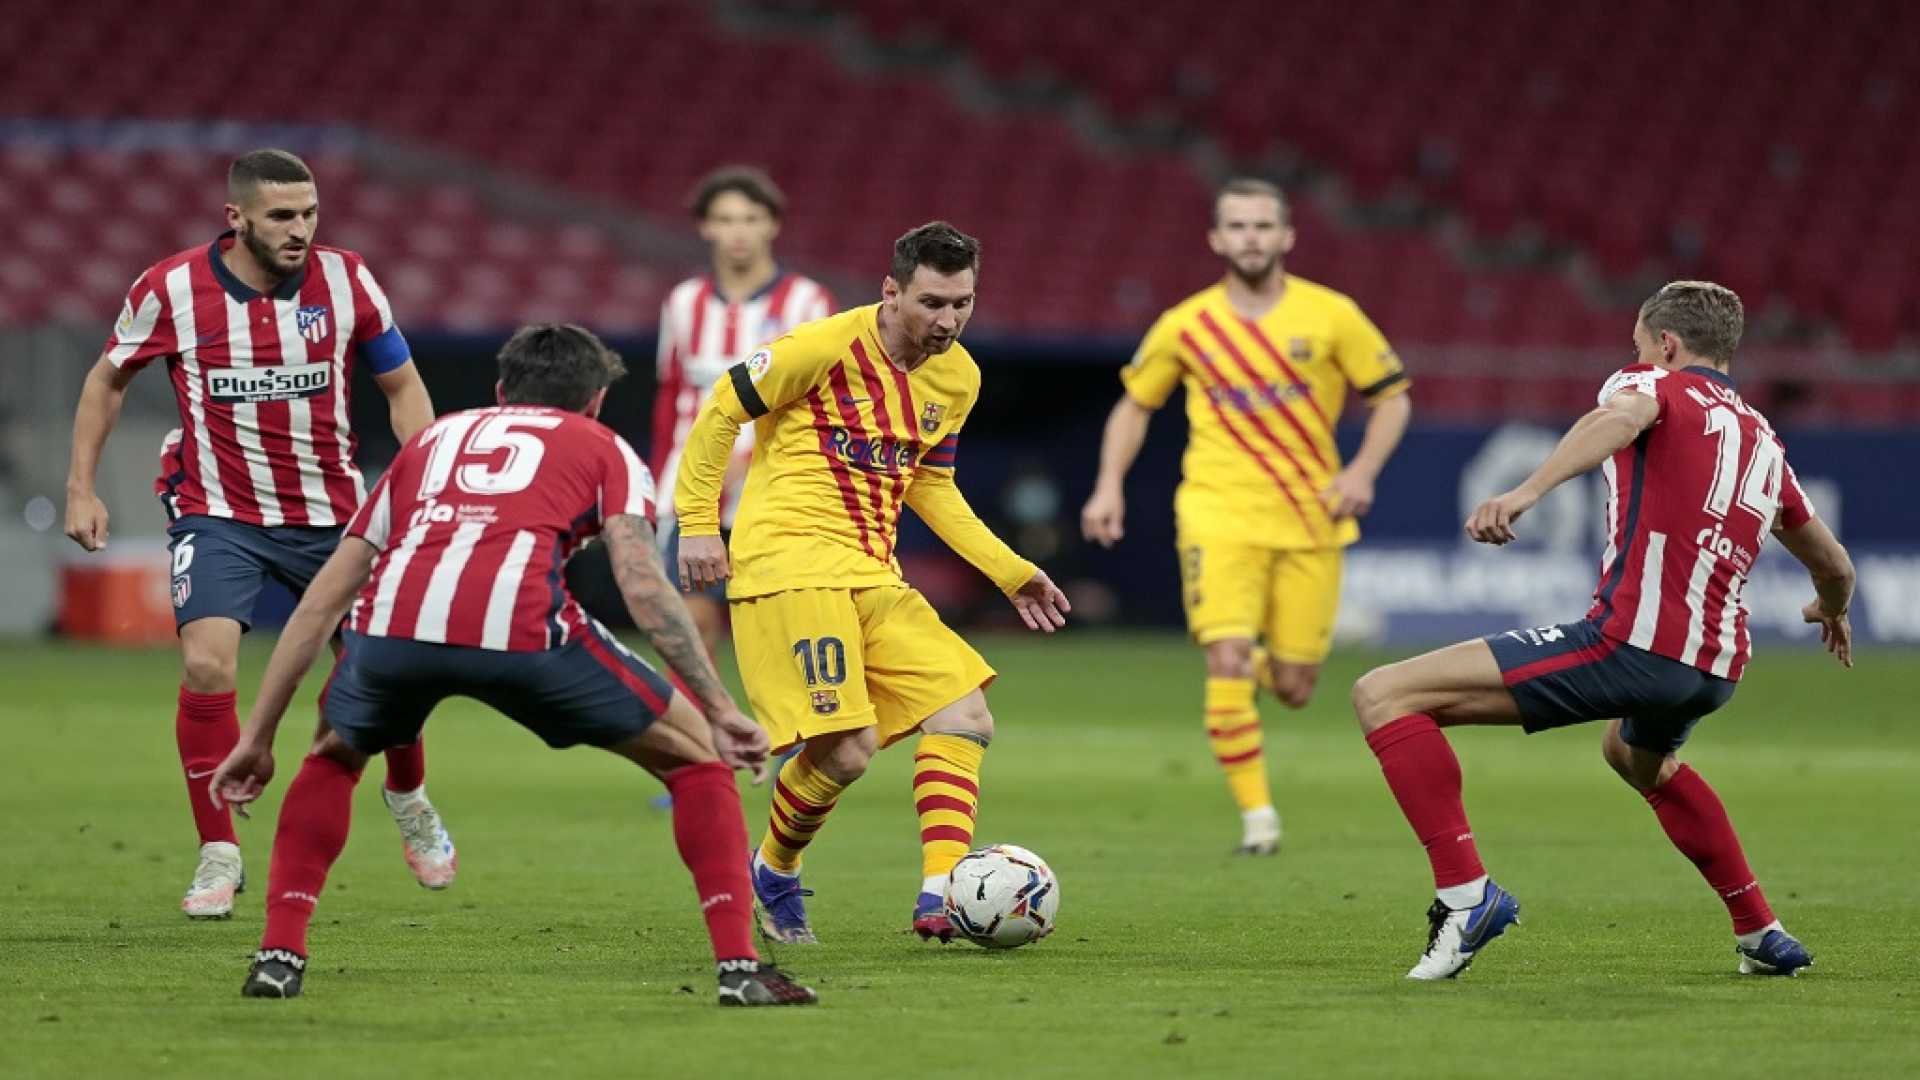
(745, 180)
(556, 364)
(1249, 186)
(1707, 318)
(937, 245)
(268, 166)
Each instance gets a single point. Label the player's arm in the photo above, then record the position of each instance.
(101, 398)
(1103, 519)
(1808, 539)
(772, 377)
(1350, 494)
(661, 615)
(937, 499)
(1593, 439)
(1371, 366)
(1150, 378)
(409, 407)
(247, 770)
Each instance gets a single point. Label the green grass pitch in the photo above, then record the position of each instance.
(569, 945)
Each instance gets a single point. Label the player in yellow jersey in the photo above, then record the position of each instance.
(1265, 506)
(856, 416)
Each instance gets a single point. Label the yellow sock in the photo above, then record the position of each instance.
(803, 796)
(1233, 727)
(946, 792)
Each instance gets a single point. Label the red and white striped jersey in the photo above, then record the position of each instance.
(1689, 504)
(262, 381)
(702, 334)
(475, 519)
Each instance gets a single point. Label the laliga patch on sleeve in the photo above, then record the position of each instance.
(124, 324)
(758, 363)
(1641, 382)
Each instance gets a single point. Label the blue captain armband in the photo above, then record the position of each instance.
(387, 352)
(943, 453)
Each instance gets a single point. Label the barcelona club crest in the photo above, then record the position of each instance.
(1299, 350)
(313, 323)
(826, 702)
(931, 416)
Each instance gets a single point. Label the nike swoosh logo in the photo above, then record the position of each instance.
(852, 400)
(191, 775)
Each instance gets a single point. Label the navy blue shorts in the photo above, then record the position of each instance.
(220, 565)
(1571, 674)
(590, 690)
(670, 558)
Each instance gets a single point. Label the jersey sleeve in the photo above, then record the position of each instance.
(1795, 508)
(375, 333)
(1361, 351)
(1156, 369)
(1634, 378)
(144, 329)
(373, 522)
(775, 376)
(626, 487)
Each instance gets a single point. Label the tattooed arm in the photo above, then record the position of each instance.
(659, 612)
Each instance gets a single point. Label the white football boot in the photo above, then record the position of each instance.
(1259, 832)
(423, 837)
(215, 880)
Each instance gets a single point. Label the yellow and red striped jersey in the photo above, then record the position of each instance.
(844, 440)
(1262, 398)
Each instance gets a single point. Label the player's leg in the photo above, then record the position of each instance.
(1224, 588)
(1299, 630)
(926, 678)
(294, 555)
(1694, 819)
(1401, 709)
(802, 658)
(215, 581)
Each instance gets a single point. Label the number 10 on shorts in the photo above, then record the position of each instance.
(822, 661)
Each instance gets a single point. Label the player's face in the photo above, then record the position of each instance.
(277, 222)
(932, 307)
(1249, 233)
(738, 230)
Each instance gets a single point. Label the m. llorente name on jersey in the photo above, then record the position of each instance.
(280, 382)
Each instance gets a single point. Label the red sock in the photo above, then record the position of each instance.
(1697, 824)
(313, 830)
(407, 766)
(711, 833)
(1425, 778)
(205, 728)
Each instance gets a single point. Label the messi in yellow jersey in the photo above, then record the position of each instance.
(1265, 505)
(856, 417)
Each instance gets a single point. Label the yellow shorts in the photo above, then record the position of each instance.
(1238, 590)
(822, 660)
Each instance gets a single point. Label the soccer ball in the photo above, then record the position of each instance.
(1002, 897)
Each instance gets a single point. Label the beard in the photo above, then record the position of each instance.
(1258, 275)
(269, 258)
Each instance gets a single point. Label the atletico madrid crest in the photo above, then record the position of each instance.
(313, 323)
(826, 702)
(931, 416)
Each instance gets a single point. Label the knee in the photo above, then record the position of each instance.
(844, 758)
(1372, 700)
(1230, 659)
(1293, 684)
(1642, 770)
(970, 719)
(207, 670)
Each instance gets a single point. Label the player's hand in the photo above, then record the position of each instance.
(243, 776)
(1041, 604)
(740, 742)
(87, 521)
(1349, 494)
(1101, 520)
(1493, 522)
(703, 562)
(1836, 632)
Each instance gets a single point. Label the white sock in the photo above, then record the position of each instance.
(1259, 815)
(1463, 896)
(403, 798)
(1751, 940)
(760, 863)
(937, 885)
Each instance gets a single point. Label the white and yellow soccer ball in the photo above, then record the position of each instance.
(1002, 897)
